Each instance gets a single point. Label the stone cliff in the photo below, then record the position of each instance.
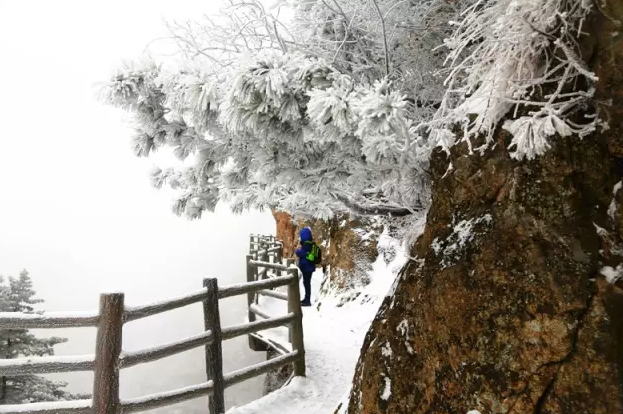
(506, 309)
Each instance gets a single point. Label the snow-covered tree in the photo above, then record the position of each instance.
(281, 131)
(518, 61)
(17, 295)
(340, 106)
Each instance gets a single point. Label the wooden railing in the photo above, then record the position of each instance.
(109, 358)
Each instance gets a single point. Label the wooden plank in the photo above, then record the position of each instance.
(296, 328)
(241, 289)
(237, 330)
(144, 311)
(130, 359)
(46, 365)
(273, 294)
(259, 311)
(107, 351)
(275, 266)
(213, 351)
(49, 320)
(263, 367)
(56, 407)
(163, 399)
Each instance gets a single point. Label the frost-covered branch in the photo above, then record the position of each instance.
(282, 130)
(519, 56)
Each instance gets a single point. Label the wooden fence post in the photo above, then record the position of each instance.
(214, 350)
(254, 344)
(251, 295)
(296, 327)
(107, 350)
(279, 256)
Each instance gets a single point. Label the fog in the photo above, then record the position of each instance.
(76, 208)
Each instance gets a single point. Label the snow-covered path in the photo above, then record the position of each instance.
(333, 338)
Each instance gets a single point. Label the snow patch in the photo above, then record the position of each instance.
(386, 350)
(387, 391)
(403, 328)
(600, 230)
(612, 209)
(455, 244)
(612, 274)
(46, 406)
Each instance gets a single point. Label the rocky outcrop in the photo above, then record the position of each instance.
(506, 310)
(349, 248)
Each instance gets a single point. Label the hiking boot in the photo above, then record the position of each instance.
(303, 303)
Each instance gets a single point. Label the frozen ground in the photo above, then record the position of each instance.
(333, 338)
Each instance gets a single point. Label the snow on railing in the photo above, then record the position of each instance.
(162, 399)
(46, 365)
(139, 312)
(48, 320)
(110, 358)
(56, 407)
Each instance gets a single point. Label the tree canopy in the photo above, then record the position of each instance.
(339, 107)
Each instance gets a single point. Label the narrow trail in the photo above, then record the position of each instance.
(333, 338)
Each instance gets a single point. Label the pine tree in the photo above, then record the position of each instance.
(18, 295)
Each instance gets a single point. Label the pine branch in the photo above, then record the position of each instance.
(374, 210)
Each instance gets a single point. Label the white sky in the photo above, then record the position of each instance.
(76, 207)
(70, 188)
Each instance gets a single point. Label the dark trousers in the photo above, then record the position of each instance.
(307, 286)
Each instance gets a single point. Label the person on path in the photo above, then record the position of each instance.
(306, 266)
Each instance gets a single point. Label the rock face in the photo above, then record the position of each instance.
(349, 247)
(507, 312)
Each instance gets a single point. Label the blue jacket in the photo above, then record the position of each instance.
(305, 265)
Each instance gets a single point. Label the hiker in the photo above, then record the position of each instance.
(309, 256)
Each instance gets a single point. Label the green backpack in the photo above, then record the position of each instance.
(315, 254)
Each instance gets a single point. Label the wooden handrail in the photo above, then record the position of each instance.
(130, 359)
(275, 266)
(259, 311)
(51, 320)
(46, 365)
(139, 312)
(252, 287)
(109, 358)
(278, 347)
(163, 399)
(237, 330)
(273, 294)
(263, 367)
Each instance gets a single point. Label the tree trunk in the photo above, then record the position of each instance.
(3, 390)
(4, 380)
(507, 312)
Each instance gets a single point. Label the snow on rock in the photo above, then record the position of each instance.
(334, 333)
(473, 412)
(456, 243)
(612, 209)
(612, 275)
(386, 351)
(403, 329)
(387, 391)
